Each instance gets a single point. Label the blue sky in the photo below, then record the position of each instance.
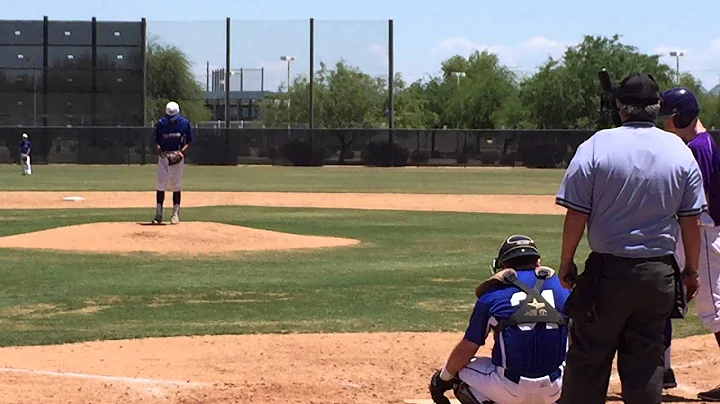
(522, 32)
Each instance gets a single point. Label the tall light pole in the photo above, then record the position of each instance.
(288, 59)
(457, 75)
(677, 55)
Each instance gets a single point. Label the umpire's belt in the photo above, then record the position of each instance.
(515, 376)
(609, 258)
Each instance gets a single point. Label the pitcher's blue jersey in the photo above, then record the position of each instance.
(531, 350)
(173, 134)
(25, 146)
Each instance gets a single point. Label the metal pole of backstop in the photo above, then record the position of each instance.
(312, 73)
(391, 91)
(227, 73)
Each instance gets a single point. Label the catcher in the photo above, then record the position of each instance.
(522, 304)
(173, 135)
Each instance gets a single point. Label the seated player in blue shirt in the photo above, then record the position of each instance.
(522, 305)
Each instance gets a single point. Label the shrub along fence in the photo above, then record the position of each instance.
(303, 147)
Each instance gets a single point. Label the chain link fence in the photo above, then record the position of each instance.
(303, 147)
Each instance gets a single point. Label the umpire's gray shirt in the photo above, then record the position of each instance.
(633, 181)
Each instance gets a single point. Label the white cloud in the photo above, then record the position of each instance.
(380, 52)
(715, 45)
(464, 46)
(541, 44)
(523, 57)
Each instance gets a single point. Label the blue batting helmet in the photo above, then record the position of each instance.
(681, 104)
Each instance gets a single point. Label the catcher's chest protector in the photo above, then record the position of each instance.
(535, 309)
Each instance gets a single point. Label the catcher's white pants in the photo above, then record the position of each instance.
(707, 302)
(25, 164)
(486, 382)
(169, 175)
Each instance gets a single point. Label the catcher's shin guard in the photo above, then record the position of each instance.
(465, 396)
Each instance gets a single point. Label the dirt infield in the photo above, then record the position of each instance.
(513, 204)
(329, 368)
(188, 238)
(301, 369)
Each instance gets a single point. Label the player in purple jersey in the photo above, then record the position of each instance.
(522, 305)
(680, 113)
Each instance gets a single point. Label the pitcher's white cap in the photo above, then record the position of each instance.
(25, 136)
(172, 108)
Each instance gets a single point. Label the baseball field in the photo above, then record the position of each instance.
(280, 285)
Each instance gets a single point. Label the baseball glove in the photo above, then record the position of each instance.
(438, 387)
(174, 157)
(24, 158)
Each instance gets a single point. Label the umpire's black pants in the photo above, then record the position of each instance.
(618, 304)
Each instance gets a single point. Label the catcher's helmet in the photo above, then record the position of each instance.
(681, 104)
(514, 247)
(172, 108)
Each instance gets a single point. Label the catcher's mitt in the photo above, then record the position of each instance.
(174, 157)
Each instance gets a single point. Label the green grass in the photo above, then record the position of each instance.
(268, 178)
(413, 271)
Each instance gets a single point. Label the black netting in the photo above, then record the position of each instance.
(21, 33)
(70, 57)
(120, 57)
(69, 81)
(70, 33)
(21, 57)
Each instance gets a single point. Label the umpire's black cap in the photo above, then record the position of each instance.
(639, 89)
(514, 247)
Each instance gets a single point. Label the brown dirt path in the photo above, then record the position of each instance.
(328, 368)
(512, 204)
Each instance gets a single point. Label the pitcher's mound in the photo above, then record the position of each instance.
(192, 238)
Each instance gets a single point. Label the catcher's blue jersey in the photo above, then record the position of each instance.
(531, 350)
(25, 146)
(173, 134)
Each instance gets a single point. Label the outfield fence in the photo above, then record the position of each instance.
(303, 147)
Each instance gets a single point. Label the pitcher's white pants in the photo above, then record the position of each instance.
(486, 382)
(169, 175)
(707, 302)
(25, 164)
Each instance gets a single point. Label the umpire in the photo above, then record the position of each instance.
(634, 187)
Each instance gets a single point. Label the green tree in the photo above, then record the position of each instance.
(566, 93)
(472, 93)
(170, 78)
(345, 97)
(412, 107)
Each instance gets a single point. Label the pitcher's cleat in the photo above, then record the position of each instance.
(175, 219)
(157, 220)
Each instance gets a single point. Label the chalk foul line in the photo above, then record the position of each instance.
(123, 379)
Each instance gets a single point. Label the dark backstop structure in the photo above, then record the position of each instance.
(72, 73)
(309, 147)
